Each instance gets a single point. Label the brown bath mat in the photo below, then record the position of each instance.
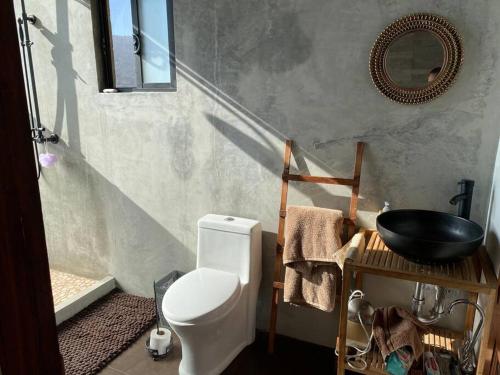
(92, 338)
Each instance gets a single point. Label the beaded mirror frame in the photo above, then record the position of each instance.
(444, 31)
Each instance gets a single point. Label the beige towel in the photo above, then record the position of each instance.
(350, 249)
(394, 328)
(312, 236)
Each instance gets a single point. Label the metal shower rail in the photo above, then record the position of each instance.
(37, 130)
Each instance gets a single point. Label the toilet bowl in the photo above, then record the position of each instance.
(212, 308)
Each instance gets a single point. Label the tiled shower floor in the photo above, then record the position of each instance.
(66, 285)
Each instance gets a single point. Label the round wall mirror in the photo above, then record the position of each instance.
(416, 58)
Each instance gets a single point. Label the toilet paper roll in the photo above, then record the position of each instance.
(159, 340)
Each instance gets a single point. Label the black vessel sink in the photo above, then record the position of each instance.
(429, 236)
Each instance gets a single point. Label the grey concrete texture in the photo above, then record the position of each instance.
(138, 169)
(492, 240)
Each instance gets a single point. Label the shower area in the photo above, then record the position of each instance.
(75, 281)
(108, 224)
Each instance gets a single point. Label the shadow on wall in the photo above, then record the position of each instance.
(239, 38)
(292, 73)
(267, 157)
(109, 231)
(67, 102)
(75, 227)
(99, 230)
(263, 150)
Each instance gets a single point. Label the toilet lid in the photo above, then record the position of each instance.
(201, 294)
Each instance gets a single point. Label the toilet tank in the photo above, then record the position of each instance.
(231, 244)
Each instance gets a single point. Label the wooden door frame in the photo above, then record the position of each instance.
(28, 337)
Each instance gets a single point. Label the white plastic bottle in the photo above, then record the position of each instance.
(386, 207)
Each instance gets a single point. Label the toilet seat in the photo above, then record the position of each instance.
(201, 295)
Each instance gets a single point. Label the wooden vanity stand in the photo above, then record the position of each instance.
(474, 275)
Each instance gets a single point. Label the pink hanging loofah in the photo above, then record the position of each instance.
(47, 160)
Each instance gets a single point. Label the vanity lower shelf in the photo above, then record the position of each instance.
(438, 340)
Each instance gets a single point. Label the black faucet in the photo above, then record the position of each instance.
(464, 199)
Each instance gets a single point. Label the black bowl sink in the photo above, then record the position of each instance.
(429, 236)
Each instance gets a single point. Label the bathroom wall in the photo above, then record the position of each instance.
(492, 231)
(492, 239)
(138, 169)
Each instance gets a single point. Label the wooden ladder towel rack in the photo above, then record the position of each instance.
(350, 221)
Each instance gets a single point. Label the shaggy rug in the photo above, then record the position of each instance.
(92, 338)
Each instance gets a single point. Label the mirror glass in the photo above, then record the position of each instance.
(415, 59)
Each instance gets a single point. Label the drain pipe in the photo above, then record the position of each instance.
(418, 301)
(466, 353)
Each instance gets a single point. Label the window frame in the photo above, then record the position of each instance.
(107, 50)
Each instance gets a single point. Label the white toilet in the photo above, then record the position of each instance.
(212, 309)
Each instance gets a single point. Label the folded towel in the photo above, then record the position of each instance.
(394, 328)
(312, 236)
(350, 249)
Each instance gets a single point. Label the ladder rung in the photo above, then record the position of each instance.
(281, 285)
(278, 285)
(348, 221)
(319, 179)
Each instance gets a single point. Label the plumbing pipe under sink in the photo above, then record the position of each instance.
(466, 353)
(418, 301)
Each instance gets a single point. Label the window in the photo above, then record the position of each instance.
(138, 44)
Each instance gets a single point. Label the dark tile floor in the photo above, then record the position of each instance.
(136, 361)
(291, 357)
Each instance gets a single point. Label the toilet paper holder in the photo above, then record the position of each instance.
(154, 352)
(158, 333)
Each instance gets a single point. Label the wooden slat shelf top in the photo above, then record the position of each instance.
(378, 259)
(438, 340)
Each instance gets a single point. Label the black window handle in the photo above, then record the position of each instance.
(137, 44)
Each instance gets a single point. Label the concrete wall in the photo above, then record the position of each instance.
(492, 240)
(492, 232)
(138, 169)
